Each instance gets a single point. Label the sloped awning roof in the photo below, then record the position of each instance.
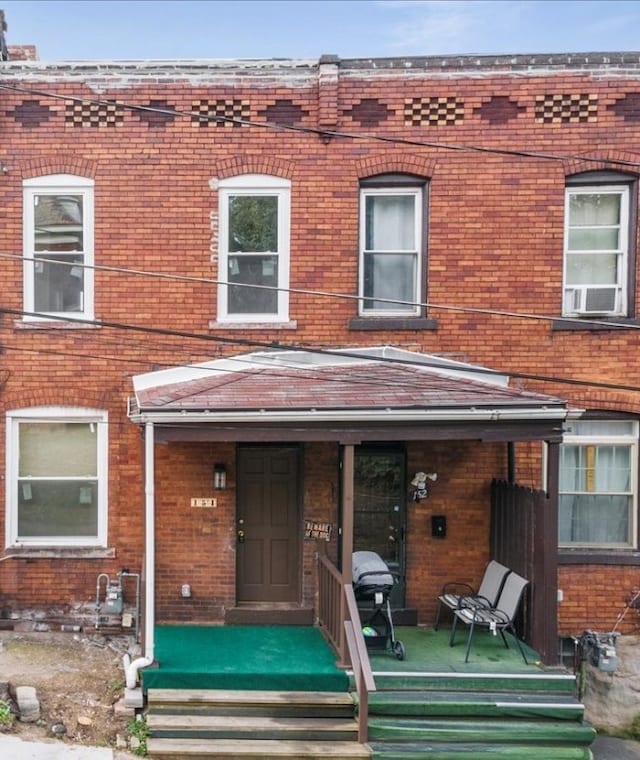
(364, 391)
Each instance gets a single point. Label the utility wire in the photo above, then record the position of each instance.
(325, 133)
(328, 294)
(323, 351)
(364, 378)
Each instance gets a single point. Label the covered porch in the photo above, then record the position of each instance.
(328, 401)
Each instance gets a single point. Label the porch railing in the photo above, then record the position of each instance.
(339, 618)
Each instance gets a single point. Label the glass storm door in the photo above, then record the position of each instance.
(379, 510)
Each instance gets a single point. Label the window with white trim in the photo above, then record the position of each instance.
(598, 484)
(58, 246)
(391, 247)
(56, 477)
(254, 249)
(596, 250)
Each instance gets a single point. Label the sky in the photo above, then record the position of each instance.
(215, 29)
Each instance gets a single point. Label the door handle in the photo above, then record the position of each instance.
(241, 537)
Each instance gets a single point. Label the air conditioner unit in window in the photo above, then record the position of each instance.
(595, 300)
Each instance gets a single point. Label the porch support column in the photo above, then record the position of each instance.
(133, 692)
(347, 539)
(545, 592)
(347, 512)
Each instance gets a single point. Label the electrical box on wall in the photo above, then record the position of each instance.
(438, 526)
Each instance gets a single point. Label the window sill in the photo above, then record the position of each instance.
(598, 557)
(603, 323)
(60, 552)
(54, 324)
(392, 323)
(290, 325)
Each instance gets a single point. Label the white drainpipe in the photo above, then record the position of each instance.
(132, 668)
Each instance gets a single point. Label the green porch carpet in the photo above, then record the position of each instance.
(429, 650)
(280, 658)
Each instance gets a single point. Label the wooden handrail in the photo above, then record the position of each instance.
(330, 605)
(339, 618)
(359, 657)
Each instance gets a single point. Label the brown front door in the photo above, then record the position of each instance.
(268, 533)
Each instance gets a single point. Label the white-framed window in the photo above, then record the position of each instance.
(56, 482)
(254, 249)
(58, 246)
(596, 250)
(391, 250)
(598, 484)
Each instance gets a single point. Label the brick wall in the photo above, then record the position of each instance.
(495, 225)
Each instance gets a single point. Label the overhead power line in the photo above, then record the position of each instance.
(321, 350)
(330, 294)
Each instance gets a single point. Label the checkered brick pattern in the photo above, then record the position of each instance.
(433, 112)
(566, 109)
(79, 114)
(219, 113)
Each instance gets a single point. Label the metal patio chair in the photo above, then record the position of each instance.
(456, 594)
(498, 618)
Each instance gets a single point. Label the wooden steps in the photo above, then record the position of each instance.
(475, 751)
(242, 727)
(202, 723)
(476, 730)
(180, 749)
(477, 716)
(241, 702)
(477, 704)
(537, 681)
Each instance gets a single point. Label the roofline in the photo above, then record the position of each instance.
(308, 416)
(524, 62)
(320, 359)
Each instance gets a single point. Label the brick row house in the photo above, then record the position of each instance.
(246, 303)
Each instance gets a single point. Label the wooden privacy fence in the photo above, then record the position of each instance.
(524, 537)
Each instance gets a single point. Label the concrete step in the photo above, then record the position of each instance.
(218, 749)
(242, 727)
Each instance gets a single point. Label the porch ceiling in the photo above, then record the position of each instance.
(383, 391)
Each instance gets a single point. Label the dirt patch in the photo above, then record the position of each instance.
(78, 680)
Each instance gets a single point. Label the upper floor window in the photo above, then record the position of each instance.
(254, 249)
(598, 484)
(391, 246)
(597, 249)
(56, 477)
(58, 246)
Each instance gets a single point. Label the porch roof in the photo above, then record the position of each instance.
(379, 386)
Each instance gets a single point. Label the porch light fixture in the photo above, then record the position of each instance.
(219, 477)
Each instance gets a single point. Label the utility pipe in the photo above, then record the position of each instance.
(133, 668)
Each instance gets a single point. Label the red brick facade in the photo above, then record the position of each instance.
(494, 139)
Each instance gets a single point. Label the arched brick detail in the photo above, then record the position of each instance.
(612, 401)
(386, 163)
(54, 397)
(275, 167)
(607, 161)
(62, 165)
